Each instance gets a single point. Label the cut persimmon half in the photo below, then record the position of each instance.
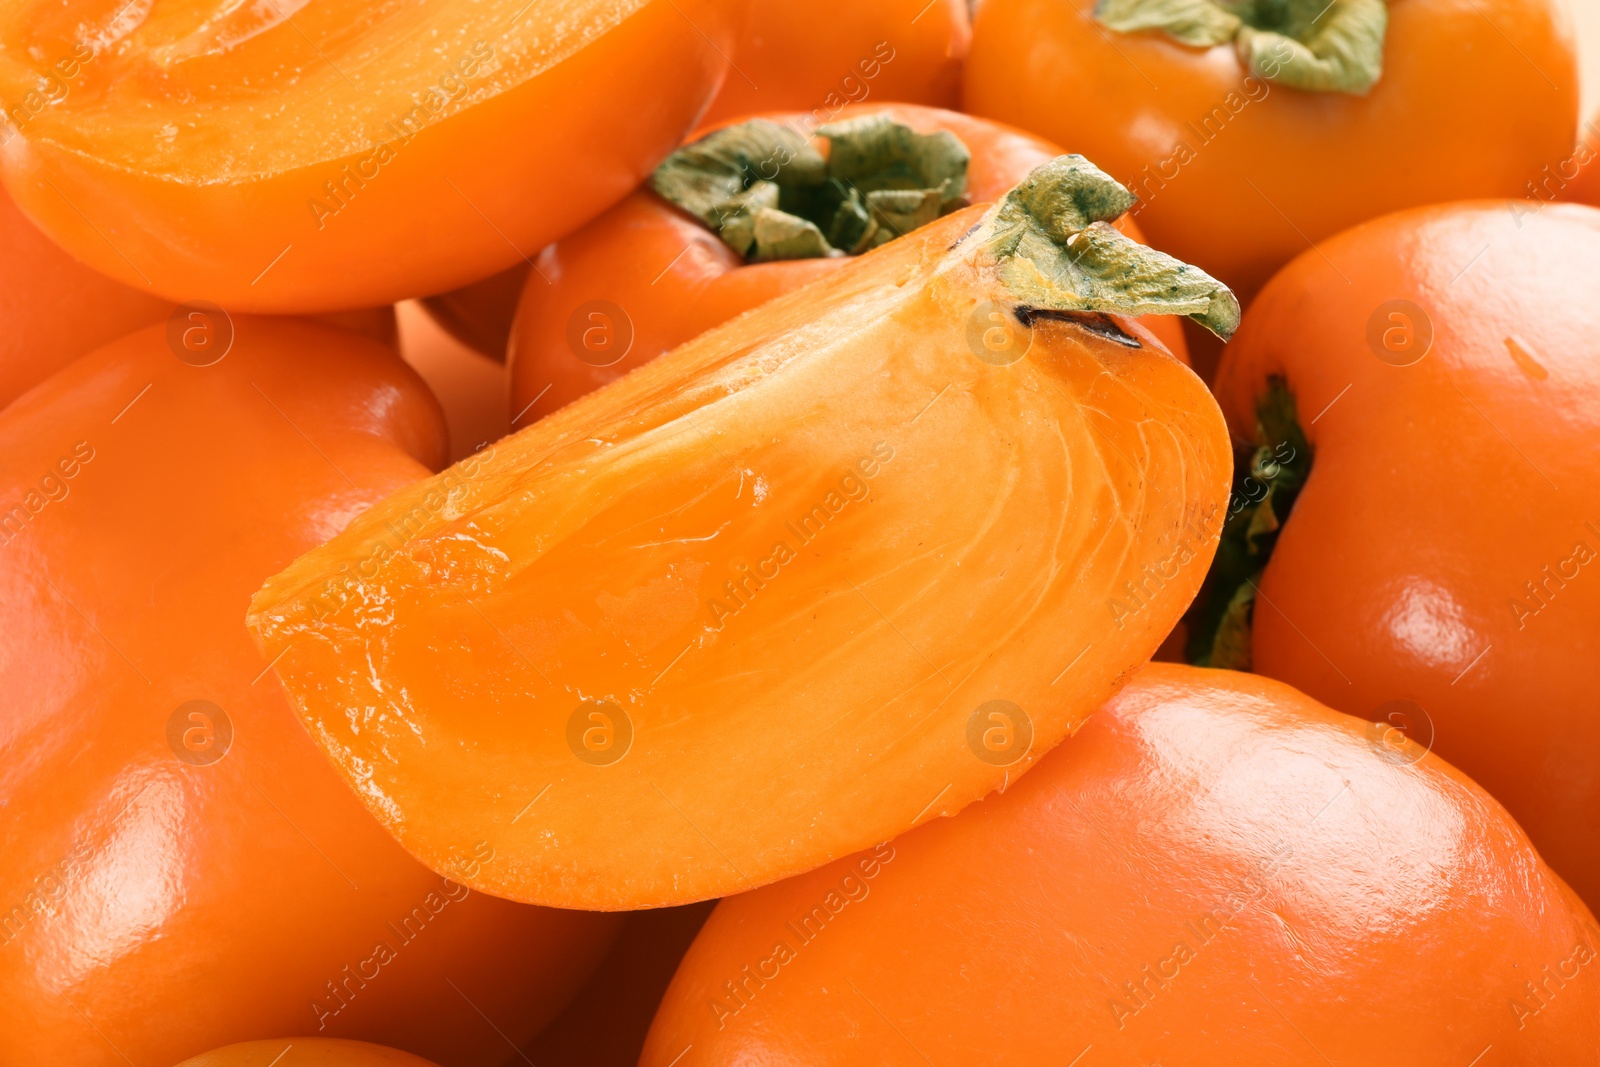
(843, 564)
(295, 157)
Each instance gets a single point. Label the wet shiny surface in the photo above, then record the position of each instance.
(1214, 870)
(1443, 550)
(182, 867)
(331, 154)
(734, 615)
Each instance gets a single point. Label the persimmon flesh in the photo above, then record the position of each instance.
(299, 157)
(751, 608)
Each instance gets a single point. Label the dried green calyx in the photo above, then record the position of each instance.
(1267, 479)
(1058, 250)
(1316, 45)
(770, 193)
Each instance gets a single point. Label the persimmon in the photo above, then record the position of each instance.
(53, 309)
(1249, 131)
(1427, 384)
(297, 158)
(305, 1052)
(1215, 870)
(829, 569)
(822, 57)
(647, 275)
(182, 868)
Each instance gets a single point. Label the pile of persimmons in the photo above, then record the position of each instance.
(1035, 532)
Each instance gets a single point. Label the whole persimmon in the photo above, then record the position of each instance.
(757, 604)
(649, 274)
(1252, 131)
(1421, 524)
(821, 57)
(301, 157)
(1216, 870)
(182, 867)
(305, 1052)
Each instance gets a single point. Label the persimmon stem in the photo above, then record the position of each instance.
(771, 193)
(1057, 249)
(1315, 45)
(1267, 479)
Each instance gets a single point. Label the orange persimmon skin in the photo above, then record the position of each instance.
(550, 648)
(1215, 871)
(305, 1052)
(452, 203)
(822, 57)
(53, 309)
(158, 905)
(1277, 167)
(672, 278)
(1439, 490)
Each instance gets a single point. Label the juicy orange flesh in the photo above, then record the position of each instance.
(794, 556)
(212, 90)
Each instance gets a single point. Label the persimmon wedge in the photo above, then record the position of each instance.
(833, 568)
(296, 157)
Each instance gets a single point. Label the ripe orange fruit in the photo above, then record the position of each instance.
(865, 552)
(182, 867)
(1215, 870)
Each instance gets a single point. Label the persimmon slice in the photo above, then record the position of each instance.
(841, 565)
(288, 156)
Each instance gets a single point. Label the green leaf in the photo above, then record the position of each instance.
(771, 194)
(1311, 45)
(1194, 22)
(1057, 250)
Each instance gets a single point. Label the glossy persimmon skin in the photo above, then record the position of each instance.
(157, 905)
(54, 309)
(1438, 489)
(365, 212)
(1277, 168)
(1215, 870)
(305, 1052)
(667, 278)
(983, 516)
(822, 57)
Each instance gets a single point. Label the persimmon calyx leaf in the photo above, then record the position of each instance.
(1267, 480)
(1199, 23)
(772, 193)
(1056, 248)
(1314, 45)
